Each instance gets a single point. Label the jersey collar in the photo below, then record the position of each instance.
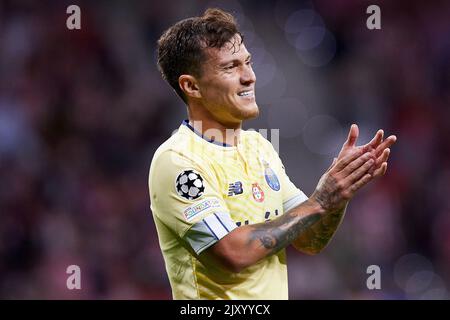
(222, 144)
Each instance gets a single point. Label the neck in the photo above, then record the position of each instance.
(211, 128)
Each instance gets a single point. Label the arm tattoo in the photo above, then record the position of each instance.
(319, 235)
(277, 234)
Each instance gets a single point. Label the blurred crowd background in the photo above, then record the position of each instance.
(82, 112)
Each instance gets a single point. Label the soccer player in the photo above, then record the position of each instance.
(223, 206)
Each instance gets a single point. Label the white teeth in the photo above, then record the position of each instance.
(245, 93)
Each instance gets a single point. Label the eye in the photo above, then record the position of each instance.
(249, 62)
(231, 66)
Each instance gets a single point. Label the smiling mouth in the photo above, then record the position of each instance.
(247, 93)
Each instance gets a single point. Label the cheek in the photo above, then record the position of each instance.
(222, 91)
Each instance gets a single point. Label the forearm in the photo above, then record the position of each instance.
(317, 236)
(252, 243)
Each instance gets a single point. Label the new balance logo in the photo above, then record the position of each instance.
(235, 188)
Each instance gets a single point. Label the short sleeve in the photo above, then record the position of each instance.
(186, 197)
(292, 196)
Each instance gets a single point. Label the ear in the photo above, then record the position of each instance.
(189, 86)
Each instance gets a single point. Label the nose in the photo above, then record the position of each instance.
(248, 75)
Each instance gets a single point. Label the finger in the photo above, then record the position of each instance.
(355, 164)
(360, 183)
(341, 164)
(352, 136)
(383, 158)
(355, 175)
(387, 143)
(380, 171)
(379, 161)
(377, 139)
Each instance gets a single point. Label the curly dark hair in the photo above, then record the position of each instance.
(181, 47)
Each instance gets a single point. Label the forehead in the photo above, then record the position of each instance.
(232, 50)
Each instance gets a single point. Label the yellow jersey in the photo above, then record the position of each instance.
(200, 191)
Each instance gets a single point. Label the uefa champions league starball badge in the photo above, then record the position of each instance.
(189, 185)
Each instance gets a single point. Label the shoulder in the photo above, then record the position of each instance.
(172, 144)
(178, 150)
(175, 156)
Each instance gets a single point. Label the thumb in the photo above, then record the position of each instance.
(352, 136)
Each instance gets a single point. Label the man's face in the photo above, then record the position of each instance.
(227, 84)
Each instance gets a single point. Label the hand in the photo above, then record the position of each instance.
(354, 167)
(377, 147)
(340, 182)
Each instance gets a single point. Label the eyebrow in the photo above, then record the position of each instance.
(234, 61)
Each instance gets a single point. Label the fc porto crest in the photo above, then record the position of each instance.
(271, 177)
(258, 193)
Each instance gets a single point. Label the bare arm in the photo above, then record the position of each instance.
(317, 237)
(248, 244)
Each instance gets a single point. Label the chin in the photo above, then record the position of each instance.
(250, 112)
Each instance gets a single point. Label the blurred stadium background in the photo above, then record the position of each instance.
(82, 112)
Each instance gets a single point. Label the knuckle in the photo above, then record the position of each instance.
(369, 163)
(346, 195)
(333, 177)
(355, 175)
(340, 185)
(356, 186)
